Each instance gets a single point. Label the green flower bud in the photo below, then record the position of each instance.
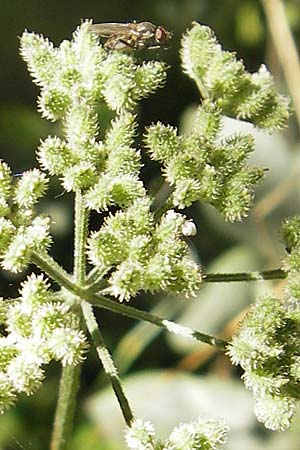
(34, 291)
(5, 180)
(26, 376)
(119, 190)
(124, 161)
(8, 351)
(237, 194)
(4, 207)
(53, 103)
(7, 231)
(121, 132)
(52, 315)
(223, 80)
(7, 393)
(30, 187)
(208, 120)
(186, 192)
(55, 156)
(19, 323)
(3, 311)
(79, 177)
(162, 141)
(206, 434)
(140, 435)
(33, 238)
(182, 167)
(105, 249)
(186, 277)
(118, 72)
(41, 58)
(125, 82)
(81, 128)
(5, 188)
(17, 255)
(37, 234)
(89, 57)
(150, 76)
(267, 349)
(263, 105)
(126, 281)
(292, 261)
(68, 346)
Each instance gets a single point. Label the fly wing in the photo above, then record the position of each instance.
(107, 29)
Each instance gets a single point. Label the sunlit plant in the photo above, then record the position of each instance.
(139, 247)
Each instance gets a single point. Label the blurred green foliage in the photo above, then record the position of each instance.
(253, 244)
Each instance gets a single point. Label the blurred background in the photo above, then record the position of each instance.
(168, 380)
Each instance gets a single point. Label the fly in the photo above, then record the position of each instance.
(132, 35)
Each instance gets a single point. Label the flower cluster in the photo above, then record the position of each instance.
(121, 163)
(267, 348)
(136, 252)
(74, 78)
(35, 328)
(201, 166)
(141, 255)
(268, 343)
(21, 231)
(135, 249)
(206, 434)
(223, 79)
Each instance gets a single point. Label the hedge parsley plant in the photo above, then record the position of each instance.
(138, 247)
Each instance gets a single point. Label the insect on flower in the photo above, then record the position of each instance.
(132, 35)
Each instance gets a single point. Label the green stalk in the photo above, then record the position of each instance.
(65, 409)
(48, 265)
(168, 325)
(91, 323)
(129, 311)
(54, 271)
(274, 274)
(287, 49)
(69, 382)
(107, 362)
(89, 318)
(81, 231)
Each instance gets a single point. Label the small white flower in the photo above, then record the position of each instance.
(189, 228)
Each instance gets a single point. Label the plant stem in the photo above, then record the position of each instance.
(81, 225)
(107, 362)
(285, 47)
(64, 414)
(126, 310)
(69, 383)
(48, 265)
(135, 313)
(90, 321)
(202, 89)
(129, 311)
(56, 273)
(274, 274)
